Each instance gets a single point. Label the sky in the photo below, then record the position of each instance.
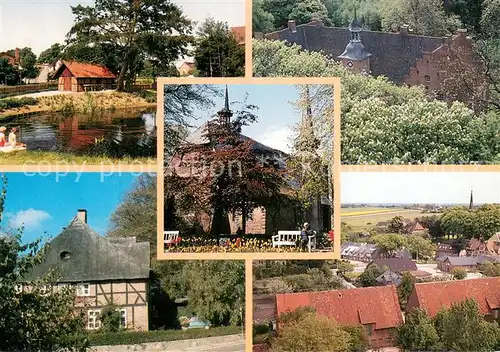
(40, 23)
(276, 114)
(420, 187)
(45, 203)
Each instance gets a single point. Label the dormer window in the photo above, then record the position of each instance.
(65, 255)
(427, 78)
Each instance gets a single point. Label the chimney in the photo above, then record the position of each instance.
(82, 215)
(292, 26)
(404, 29)
(17, 57)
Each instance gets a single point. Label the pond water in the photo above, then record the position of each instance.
(118, 134)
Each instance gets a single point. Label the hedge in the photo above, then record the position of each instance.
(138, 337)
(17, 103)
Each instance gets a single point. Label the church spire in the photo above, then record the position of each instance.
(471, 202)
(355, 56)
(225, 113)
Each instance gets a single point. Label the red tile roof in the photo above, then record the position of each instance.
(370, 305)
(85, 70)
(239, 34)
(434, 295)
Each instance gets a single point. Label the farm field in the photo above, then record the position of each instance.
(361, 219)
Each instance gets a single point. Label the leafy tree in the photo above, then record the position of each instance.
(30, 319)
(419, 247)
(305, 11)
(367, 277)
(417, 333)
(432, 224)
(303, 330)
(481, 222)
(27, 63)
(463, 328)
(280, 10)
(458, 273)
(52, 54)
(383, 123)
(135, 29)
(345, 267)
(490, 19)
(217, 53)
(262, 21)
(136, 215)
(425, 17)
(405, 288)
(396, 224)
(391, 243)
(469, 11)
(490, 269)
(8, 74)
(342, 12)
(110, 318)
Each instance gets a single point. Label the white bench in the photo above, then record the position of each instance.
(170, 237)
(291, 238)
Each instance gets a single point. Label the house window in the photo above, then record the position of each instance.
(123, 318)
(93, 319)
(427, 78)
(83, 290)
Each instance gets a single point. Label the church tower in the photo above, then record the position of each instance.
(355, 57)
(471, 202)
(225, 113)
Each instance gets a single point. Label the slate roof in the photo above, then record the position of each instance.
(84, 70)
(369, 305)
(389, 277)
(461, 261)
(93, 257)
(392, 54)
(398, 265)
(434, 295)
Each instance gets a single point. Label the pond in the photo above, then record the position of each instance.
(117, 134)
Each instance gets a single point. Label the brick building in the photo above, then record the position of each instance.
(376, 309)
(433, 296)
(102, 270)
(402, 57)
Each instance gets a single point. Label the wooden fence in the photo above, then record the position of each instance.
(28, 88)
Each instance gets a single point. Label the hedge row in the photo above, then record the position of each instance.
(138, 337)
(17, 103)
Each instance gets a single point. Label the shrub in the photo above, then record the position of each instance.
(110, 318)
(13, 103)
(458, 273)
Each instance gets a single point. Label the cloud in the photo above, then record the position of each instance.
(29, 218)
(277, 138)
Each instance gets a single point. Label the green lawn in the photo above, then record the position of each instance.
(138, 337)
(31, 158)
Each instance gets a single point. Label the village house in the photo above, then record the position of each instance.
(493, 245)
(404, 58)
(82, 77)
(376, 309)
(476, 247)
(433, 296)
(367, 252)
(396, 265)
(239, 34)
(448, 263)
(102, 270)
(13, 59)
(187, 67)
(414, 227)
(450, 248)
(263, 220)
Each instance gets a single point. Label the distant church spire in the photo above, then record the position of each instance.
(471, 203)
(225, 113)
(355, 57)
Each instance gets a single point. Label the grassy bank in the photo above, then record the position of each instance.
(138, 337)
(63, 159)
(84, 103)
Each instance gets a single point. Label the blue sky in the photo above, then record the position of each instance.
(40, 23)
(419, 187)
(47, 203)
(276, 112)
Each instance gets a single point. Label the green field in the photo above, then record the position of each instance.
(361, 219)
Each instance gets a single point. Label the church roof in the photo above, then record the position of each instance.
(393, 54)
(80, 254)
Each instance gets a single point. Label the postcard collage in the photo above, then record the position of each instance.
(249, 175)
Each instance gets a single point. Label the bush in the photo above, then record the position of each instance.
(458, 273)
(260, 329)
(138, 337)
(110, 318)
(17, 103)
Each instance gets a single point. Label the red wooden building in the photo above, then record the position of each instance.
(81, 77)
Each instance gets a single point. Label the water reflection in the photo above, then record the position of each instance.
(123, 133)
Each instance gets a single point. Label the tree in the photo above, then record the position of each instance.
(470, 12)
(425, 17)
(458, 273)
(31, 320)
(391, 243)
(405, 288)
(432, 224)
(303, 330)
(51, 55)
(262, 21)
(135, 29)
(490, 19)
(480, 222)
(280, 10)
(110, 318)
(367, 277)
(8, 74)
(383, 123)
(28, 63)
(216, 52)
(419, 247)
(396, 224)
(463, 328)
(344, 267)
(417, 333)
(489, 269)
(305, 11)
(136, 215)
